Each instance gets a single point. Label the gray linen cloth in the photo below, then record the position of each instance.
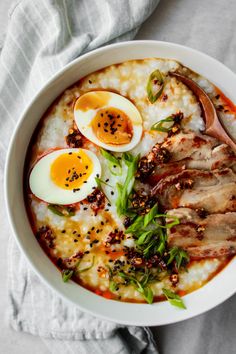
(42, 37)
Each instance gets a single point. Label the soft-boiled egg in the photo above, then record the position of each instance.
(65, 176)
(109, 120)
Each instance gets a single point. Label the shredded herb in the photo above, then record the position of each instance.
(125, 189)
(141, 284)
(173, 298)
(114, 163)
(167, 225)
(155, 86)
(180, 256)
(87, 268)
(99, 182)
(150, 215)
(159, 125)
(67, 274)
(61, 210)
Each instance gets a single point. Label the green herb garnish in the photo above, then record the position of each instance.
(113, 162)
(179, 255)
(155, 86)
(142, 221)
(87, 268)
(141, 284)
(99, 182)
(149, 233)
(67, 274)
(167, 225)
(61, 210)
(159, 125)
(125, 189)
(113, 286)
(173, 298)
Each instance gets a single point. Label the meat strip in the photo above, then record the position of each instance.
(192, 151)
(209, 236)
(214, 191)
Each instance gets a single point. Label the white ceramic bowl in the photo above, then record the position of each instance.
(214, 292)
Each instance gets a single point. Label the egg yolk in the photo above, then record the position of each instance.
(71, 170)
(92, 100)
(112, 126)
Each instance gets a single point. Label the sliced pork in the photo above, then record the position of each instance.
(215, 191)
(203, 235)
(192, 151)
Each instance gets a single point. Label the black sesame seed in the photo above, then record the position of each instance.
(112, 193)
(70, 153)
(63, 231)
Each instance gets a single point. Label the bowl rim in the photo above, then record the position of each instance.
(126, 306)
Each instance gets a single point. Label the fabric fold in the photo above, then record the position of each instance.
(42, 37)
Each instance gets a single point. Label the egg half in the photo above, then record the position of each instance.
(109, 120)
(65, 176)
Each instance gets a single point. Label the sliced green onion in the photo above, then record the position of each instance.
(125, 189)
(99, 182)
(173, 298)
(140, 285)
(144, 238)
(67, 274)
(114, 162)
(159, 125)
(179, 255)
(150, 215)
(155, 86)
(167, 225)
(87, 268)
(61, 210)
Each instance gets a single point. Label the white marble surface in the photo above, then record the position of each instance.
(207, 25)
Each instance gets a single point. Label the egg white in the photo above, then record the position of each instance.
(83, 121)
(45, 189)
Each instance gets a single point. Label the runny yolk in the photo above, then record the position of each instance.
(112, 126)
(71, 170)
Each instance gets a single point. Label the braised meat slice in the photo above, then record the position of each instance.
(203, 235)
(192, 151)
(214, 191)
